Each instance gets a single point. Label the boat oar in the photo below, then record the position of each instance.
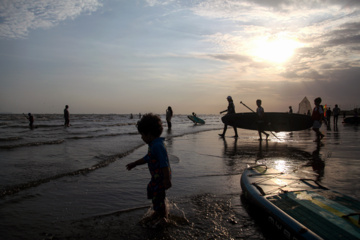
(255, 113)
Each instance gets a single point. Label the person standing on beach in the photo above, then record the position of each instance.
(66, 116)
(260, 113)
(230, 109)
(336, 112)
(328, 115)
(169, 114)
(290, 109)
(150, 128)
(317, 118)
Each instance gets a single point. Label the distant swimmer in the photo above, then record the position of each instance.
(169, 115)
(30, 117)
(67, 116)
(260, 113)
(317, 118)
(230, 109)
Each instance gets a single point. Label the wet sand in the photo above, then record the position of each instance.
(205, 200)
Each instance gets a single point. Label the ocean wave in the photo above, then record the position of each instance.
(102, 135)
(10, 190)
(31, 144)
(8, 139)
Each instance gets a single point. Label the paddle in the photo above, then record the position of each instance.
(255, 113)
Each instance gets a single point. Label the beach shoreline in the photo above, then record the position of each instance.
(205, 200)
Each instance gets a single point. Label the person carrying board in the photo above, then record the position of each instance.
(230, 109)
(260, 113)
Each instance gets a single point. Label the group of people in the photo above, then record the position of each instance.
(260, 118)
(335, 112)
(30, 117)
(317, 117)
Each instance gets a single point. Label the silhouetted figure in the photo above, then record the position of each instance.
(317, 117)
(290, 109)
(336, 112)
(328, 115)
(31, 120)
(169, 114)
(261, 122)
(67, 116)
(157, 160)
(230, 109)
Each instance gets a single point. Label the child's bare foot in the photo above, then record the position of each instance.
(149, 219)
(160, 222)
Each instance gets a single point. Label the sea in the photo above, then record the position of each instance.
(61, 182)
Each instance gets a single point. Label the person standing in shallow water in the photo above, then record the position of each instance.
(31, 120)
(150, 128)
(67, 116)
(230, 109)
(260, 113)
(317, 118)
(336, 112)
(169, 114)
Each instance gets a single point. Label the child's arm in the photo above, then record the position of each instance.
(134, 164)
(167, 180)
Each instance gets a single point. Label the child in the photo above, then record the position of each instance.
(317, 117)
(260, 112)
(150, 128)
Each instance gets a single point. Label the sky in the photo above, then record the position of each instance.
(139, 56)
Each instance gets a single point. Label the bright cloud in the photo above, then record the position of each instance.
(18, 17)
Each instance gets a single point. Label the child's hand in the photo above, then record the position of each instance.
(130, 166)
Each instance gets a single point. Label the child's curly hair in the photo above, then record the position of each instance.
(318, 100)
(150, 123)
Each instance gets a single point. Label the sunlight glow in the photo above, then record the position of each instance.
(275, 49)
(280, 165)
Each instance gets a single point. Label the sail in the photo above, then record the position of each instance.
(304, 106)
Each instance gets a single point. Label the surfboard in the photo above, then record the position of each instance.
(196, 119)
(352, 120)
(273, 121)
(300, 208)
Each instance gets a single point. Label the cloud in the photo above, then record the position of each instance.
(18, 17)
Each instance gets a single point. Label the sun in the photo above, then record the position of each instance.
(275, 49)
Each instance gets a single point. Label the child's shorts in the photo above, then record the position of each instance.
(317, 124)
(157, 196)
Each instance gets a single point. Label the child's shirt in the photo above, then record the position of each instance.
(157, 158)
(318, 113)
